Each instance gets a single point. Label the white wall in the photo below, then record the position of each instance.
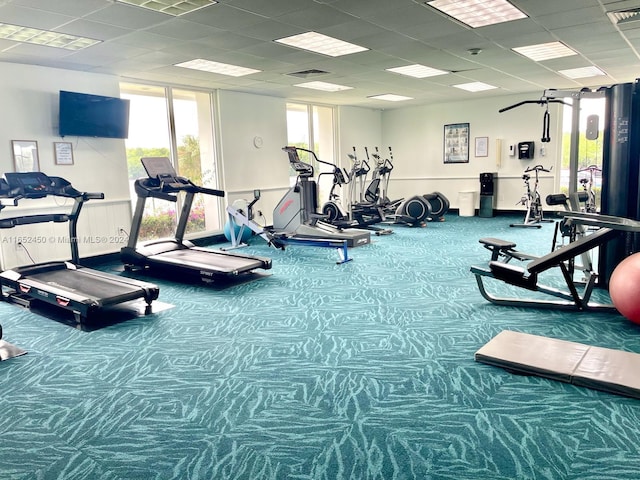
(357, 127)
(416, 136)
(29, 99)
(242, 118)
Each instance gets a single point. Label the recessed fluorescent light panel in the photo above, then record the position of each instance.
(475, 86)
(324, 86)
(545, 51)
(390, 97)
(478, 13)
(417, 71)
(47, 38)
(216, 67)
(170, 7)
(319, 43)
(583, 72)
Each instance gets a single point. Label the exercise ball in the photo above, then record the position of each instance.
(246, 234)
(624, 287)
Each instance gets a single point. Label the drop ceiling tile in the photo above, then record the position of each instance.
(147, 40)
(183, 29)
(582, 16)
(65, 7)
(224, 17)
(369, 8)
(128, 16)
(548, 7)
(402, 18)
(507, 30)
(316, 17)
(271, 8)
(28, 17)
(95, 30)
(268, 30)
(225, 41)
(354, 30)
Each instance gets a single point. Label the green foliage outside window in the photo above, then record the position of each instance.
(161, 223)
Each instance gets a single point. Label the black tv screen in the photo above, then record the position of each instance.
(85, 115)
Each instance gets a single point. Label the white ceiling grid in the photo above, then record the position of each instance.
(139, 44)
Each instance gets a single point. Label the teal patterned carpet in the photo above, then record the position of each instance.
(317, 371)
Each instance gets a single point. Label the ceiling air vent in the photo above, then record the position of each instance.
(624, 16)
(308, 73)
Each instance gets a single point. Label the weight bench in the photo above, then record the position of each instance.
(526, 277)
(613, 371)
(504, 249)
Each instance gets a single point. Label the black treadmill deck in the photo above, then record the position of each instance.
(77, 289)
(209, 260)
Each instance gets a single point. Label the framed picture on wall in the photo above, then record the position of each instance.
(63, 152)
(456, 143)
(25, 155)
(482, 146)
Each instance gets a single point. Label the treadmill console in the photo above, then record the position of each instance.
(29, 184)
(160, 170)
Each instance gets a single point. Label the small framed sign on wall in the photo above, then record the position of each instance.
(482, 146)
(63, 153)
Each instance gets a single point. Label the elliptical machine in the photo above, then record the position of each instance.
(413, 211)
(297, 212)
(360, 214)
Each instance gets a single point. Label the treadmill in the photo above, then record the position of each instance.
(62, 284)
(178, 257)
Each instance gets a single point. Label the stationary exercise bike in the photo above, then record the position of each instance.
(568, 231)
(531, 199)
(587, 186)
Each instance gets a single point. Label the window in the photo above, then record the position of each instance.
(589, 162)
(177, 124)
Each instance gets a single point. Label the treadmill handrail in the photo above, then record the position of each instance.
(93, 196)
(31, 219)
(211, 191)
(144, 190)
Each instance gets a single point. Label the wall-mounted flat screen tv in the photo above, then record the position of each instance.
(85, 115)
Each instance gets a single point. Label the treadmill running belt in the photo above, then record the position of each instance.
(208, 260)
(86, 283)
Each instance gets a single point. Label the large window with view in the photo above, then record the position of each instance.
(173, 123)
(588, 168)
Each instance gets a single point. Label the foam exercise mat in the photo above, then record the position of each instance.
(605, 369)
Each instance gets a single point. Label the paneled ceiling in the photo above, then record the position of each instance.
(142, 45)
